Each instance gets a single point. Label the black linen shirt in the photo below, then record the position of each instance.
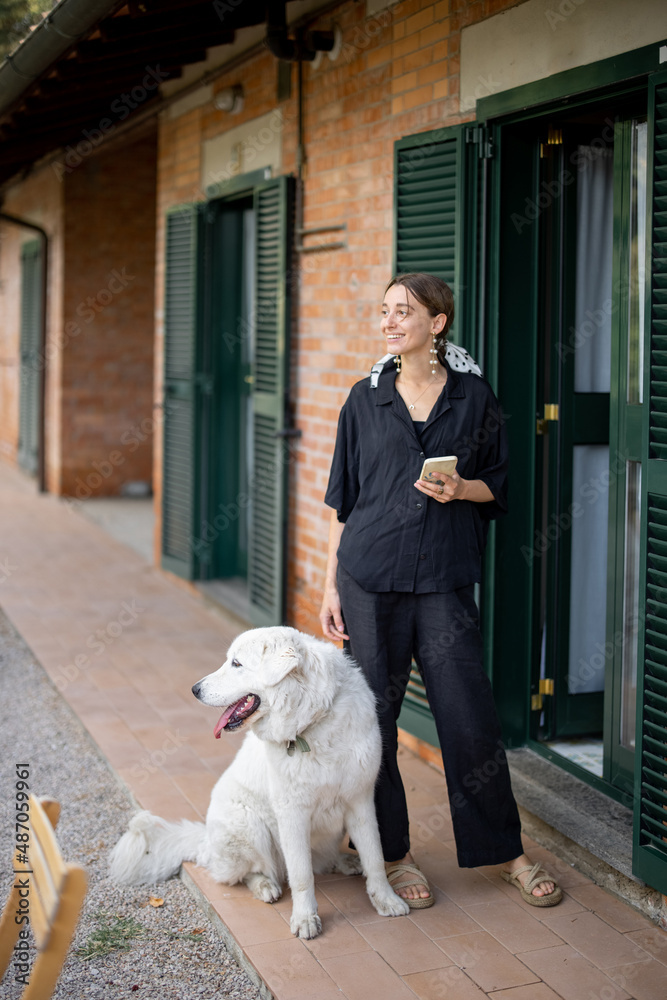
(396, 538)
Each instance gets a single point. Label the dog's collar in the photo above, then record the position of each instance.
(298, 742)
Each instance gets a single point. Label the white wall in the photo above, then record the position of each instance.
(543, 37)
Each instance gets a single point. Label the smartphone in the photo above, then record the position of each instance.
(446, 464)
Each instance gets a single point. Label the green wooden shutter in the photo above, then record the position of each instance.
(435, 199)
(436, 178)
(31, 314)
(650, 842)
(268, 481)
(182, 299)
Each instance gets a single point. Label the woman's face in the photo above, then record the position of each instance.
(406, 324)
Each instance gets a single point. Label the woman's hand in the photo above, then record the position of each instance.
(331, 618)
(444, 488)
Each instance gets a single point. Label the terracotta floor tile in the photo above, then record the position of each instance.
(486, 962)
(596, 940)
(366, 976)
(464, 886)
(402, 945)
(429, 821)
(621, 916)
(216, 890)
(338, 936)
(445, 919)
(515, 928)
(252, 921)
(350, 897)
(647, 981)
(196, 787)
(444, 984)
(653, 940)
(414, 770)
(572, 976)
(290, 971)
(536, 991)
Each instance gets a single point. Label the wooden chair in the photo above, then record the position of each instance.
(55, 893)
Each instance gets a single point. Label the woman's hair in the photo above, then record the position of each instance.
(433, 293)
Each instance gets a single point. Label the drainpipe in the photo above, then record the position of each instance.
(41, 463)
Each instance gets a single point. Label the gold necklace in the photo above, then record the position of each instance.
(413, 404)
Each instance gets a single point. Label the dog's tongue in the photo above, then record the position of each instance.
(226, 716)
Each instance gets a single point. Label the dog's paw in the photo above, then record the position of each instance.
(348, 864)
(307, 927)
(389, 904)
(263, 888)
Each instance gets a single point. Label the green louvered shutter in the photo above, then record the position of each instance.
(436, 177)
(268, 510)
(436, 184)
(31, 313)
(179, 486)
(650, 846)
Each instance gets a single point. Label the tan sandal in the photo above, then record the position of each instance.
(537, 875)
(414, 877)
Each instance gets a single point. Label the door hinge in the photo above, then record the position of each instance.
(550, 414)
(480, 135)
(545, 687)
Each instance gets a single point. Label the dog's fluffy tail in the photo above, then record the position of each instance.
(153, 849)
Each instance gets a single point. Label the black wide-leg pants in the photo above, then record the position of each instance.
(441, 632)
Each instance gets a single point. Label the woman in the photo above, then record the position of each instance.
(404, 555)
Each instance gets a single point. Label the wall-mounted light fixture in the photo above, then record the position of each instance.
(332, 53)
(230, 99)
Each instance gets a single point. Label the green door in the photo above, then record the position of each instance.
(574, 349)
(226, 433)
(571, 197)
(31, 318)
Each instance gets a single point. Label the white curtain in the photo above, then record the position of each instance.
(591, 335)
(588, 573)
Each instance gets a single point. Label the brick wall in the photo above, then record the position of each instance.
(38, 199)
(397, 74)
(108, 309)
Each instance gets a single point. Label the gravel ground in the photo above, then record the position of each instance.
(175, 952)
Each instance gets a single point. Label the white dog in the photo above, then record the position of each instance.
(304, 775)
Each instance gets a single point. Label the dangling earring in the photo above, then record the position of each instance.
(397, 362)
(434, 357)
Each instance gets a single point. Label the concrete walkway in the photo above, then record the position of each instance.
(124, 644)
